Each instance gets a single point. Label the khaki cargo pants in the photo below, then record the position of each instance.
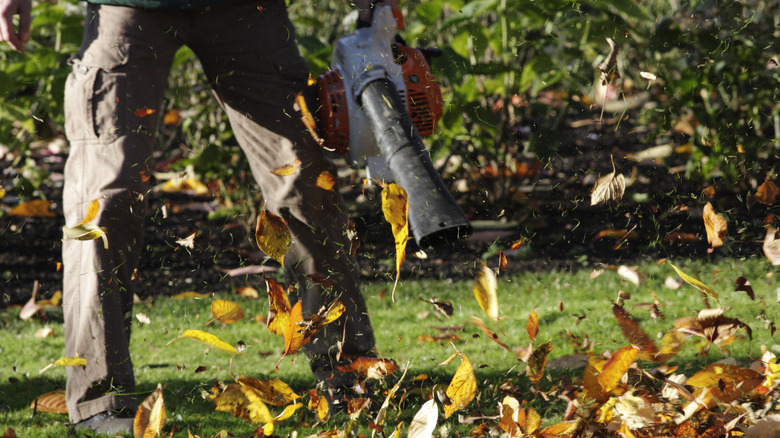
(250, 57)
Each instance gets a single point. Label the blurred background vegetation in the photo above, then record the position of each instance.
(714, 65)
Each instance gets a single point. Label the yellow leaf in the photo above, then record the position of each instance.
(34, 208)
(616, 367)
(462, 389)
(74, 361)
(326, 181)
(207, 338)
(92, 212)
(485, 291)
(560, 430)
(274, 391)
(189, 295)
(50, 402)
(424, 422)
(293, 334)
(172, 117)
(279, 307)
(268, 428)
(715, 225)
(272, 235)
(532, 421)
(150, 417)
(86, 232)
(287, 169)
(590, 383)
(694, 282)
(395, 206)
(247, 292)
(186, 185)
(226, 311)
(533, 325)
(537, 361)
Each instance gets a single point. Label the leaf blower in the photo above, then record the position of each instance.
(374, 105)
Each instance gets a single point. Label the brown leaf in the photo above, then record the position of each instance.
(727, 382)
(172, 117)
(395, 206)
(444, 307)
(150, 417)
(370, 367)
(590, 382)
(634, 333)
(462, 388)
(743, 284)
(715, 225)
(50, 402)
(608, 67)
(536, 362)
(485, 287)
(490, 334)
(143, 112)
(502, 262)
(767, 193)
(287, 169)
(272, 235)
(616, 367)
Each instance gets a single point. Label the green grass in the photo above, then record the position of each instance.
(398, 326)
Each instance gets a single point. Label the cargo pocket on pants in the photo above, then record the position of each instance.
(93, 90)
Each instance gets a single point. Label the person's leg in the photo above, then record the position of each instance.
(121, 69)
(256, 71)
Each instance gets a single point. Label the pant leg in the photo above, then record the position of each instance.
(118, 71)
(256, 71)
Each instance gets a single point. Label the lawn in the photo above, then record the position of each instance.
(570, 305)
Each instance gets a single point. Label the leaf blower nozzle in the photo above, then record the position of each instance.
(435, 218)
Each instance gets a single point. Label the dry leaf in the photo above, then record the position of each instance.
(485, 287)
(533, 325)
(74, 361)
(516, 244)
(743, 284)
(172, 117)
(767, 193)
(616, 367)
(272, 235)
(395, 206)
(370, 367)
(190, 295)
(86, 230)
(647, 75)
(278, 309)
(462, 389)
(142, 318)
(590, 382)
(424, 422)
(608, 67)
(226, 311)
(772, 245)
(50, 402)
(189, 241)
(628, 274)
(185, 185)
(326, 181)
(537, 361)
(502, 262)
(247, 292)
(233, 400)
(274, 391)
(206, 338)
(143, 112)
(703, 288)
(150, 417)
(44, 332)
(635, 334)
(715, 225)
(444, 307)
(610, 187)
(34, 208)
(490, 334)
(287, 169)
(307, 118)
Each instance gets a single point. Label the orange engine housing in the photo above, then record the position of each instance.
(423, 100)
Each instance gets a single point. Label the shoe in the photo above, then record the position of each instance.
(107, 422)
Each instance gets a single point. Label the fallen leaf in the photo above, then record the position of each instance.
(628, 274)
(743, 284)
(190, 295)
(278, 309)
(462, 388)
(44, 332)
(490, 334)
(34, 208)
(206, 338)
(533, 325)
(50, 402)
(767, 192)
(444, 307)
(516, 244)
(326, 181)
(634, 333)
(307, 118)
(74, 361)
(247, 292)
(610, 187)
(395, 206)
(647, 75)
(502, 262)
(189, 241)
(143, 112)
(85, 230)
(172, 117)
(185, 185)
(485, 287)
(226, 311)
(274, 391)
(242, 403)
(772, 245)
(537, 361)
(370, 367)
(616, 367)
(142, 318)
(150, 417)
(424, 422)
(715, 225)
(272, 235)
(703, 288)
(287, 169)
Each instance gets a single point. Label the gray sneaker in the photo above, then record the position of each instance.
(107, 422)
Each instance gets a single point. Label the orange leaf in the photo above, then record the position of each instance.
(50, 402)
(501, 261)
(634, 333)
(715, 225)
(616, 367)
(287, 169)
(767, 193)
(590, 381)
(34, 208)
(226, 311)
(560, 430)
(516, 244)
(150, 417)
(293, 334)
(537, 361)
(307, 118)
(533, 325)
(395, 206)
(206, 338)
(172, 117)
(462, 388)
(272, 235)
(326, 181)
(370, 367)
(274, 391)
(143, 112)
(490, 333)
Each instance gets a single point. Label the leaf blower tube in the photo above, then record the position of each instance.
(434, 216)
